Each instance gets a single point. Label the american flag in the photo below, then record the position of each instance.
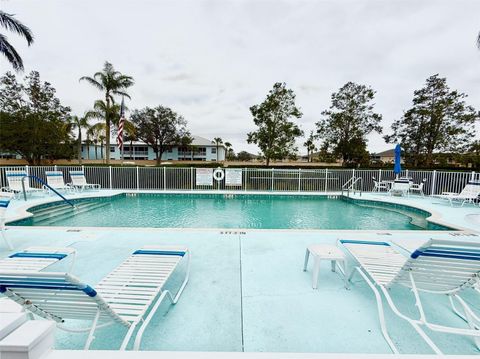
(121, 123)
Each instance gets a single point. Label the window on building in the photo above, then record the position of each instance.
(112, 148)
(214, 150)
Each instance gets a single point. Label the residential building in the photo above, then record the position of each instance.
(201, 149)
(387, 156)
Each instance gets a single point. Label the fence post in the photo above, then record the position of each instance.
(138, 180)
(110, 175)
(432, 189)
(245, 182)
(164, 178)
(271, 187)
(27, 170)
(473, 176)
(299, 179)
(406, 173)
(380, 175)
(353, 174)
(55, 167)
(83, 169)
(326, 179)
(191, 178)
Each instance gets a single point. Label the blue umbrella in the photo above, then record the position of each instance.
(398, 167)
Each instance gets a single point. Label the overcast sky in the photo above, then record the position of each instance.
(211, 60)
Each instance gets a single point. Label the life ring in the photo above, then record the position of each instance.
(218, 174)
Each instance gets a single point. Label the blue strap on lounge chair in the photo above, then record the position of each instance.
(373, 243)
(160, 253)
(38, 255)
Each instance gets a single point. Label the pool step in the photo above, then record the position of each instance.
(49, 219)
(58, 210)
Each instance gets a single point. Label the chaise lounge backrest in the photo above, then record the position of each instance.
(442, 266)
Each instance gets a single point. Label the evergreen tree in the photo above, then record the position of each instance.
(439, 121)
(276, 133)
(160, 127)
(345, 126)
(33, 122)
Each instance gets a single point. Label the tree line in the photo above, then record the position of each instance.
(35, 125)
(439, 121)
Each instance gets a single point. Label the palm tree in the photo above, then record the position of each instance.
(112, 83)
(8, 22)
(97, 132)
(130, 135)
(79, 123)
(217, 141)
(102, 112)
(310, 146)
(228, 147)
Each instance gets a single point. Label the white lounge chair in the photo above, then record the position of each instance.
(468, 194)
(35, 259)
(128, 296)
(5, 198)
(55, 181)
(15, 179)
(439, 267)
(80, 182)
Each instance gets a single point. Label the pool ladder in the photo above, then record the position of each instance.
(353, 185)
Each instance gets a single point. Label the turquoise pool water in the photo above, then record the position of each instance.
(231, 211)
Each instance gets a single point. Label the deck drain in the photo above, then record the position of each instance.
(384, 234)
(463, 234)
(233, 232)
(73, 230)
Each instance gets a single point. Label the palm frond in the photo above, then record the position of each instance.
(10, 23)
(121, 93)
(10, 53)
(92, 82)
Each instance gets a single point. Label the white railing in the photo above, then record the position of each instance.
(253, 179)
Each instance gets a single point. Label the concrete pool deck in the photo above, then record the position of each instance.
(247, 291)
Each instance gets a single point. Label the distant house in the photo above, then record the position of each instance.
(201, 149)
(387, 156)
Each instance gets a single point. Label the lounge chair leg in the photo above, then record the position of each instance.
(413, 323)
(472, 320)
(128, 336)
(381, 314)
(5, 239)
(91, 337)
(305, 263)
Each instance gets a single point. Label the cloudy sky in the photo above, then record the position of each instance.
(211, 60)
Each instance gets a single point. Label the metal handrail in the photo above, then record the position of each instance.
(351, 185)
(46, 185)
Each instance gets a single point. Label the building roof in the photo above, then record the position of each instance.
(201, 141)
(387, 153)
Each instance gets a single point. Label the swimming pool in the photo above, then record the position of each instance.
(229, 211)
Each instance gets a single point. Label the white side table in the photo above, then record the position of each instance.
(325, 252)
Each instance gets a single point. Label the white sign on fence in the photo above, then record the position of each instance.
(233, 177)
(204, 177)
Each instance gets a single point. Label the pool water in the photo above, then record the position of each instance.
(226, 211)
